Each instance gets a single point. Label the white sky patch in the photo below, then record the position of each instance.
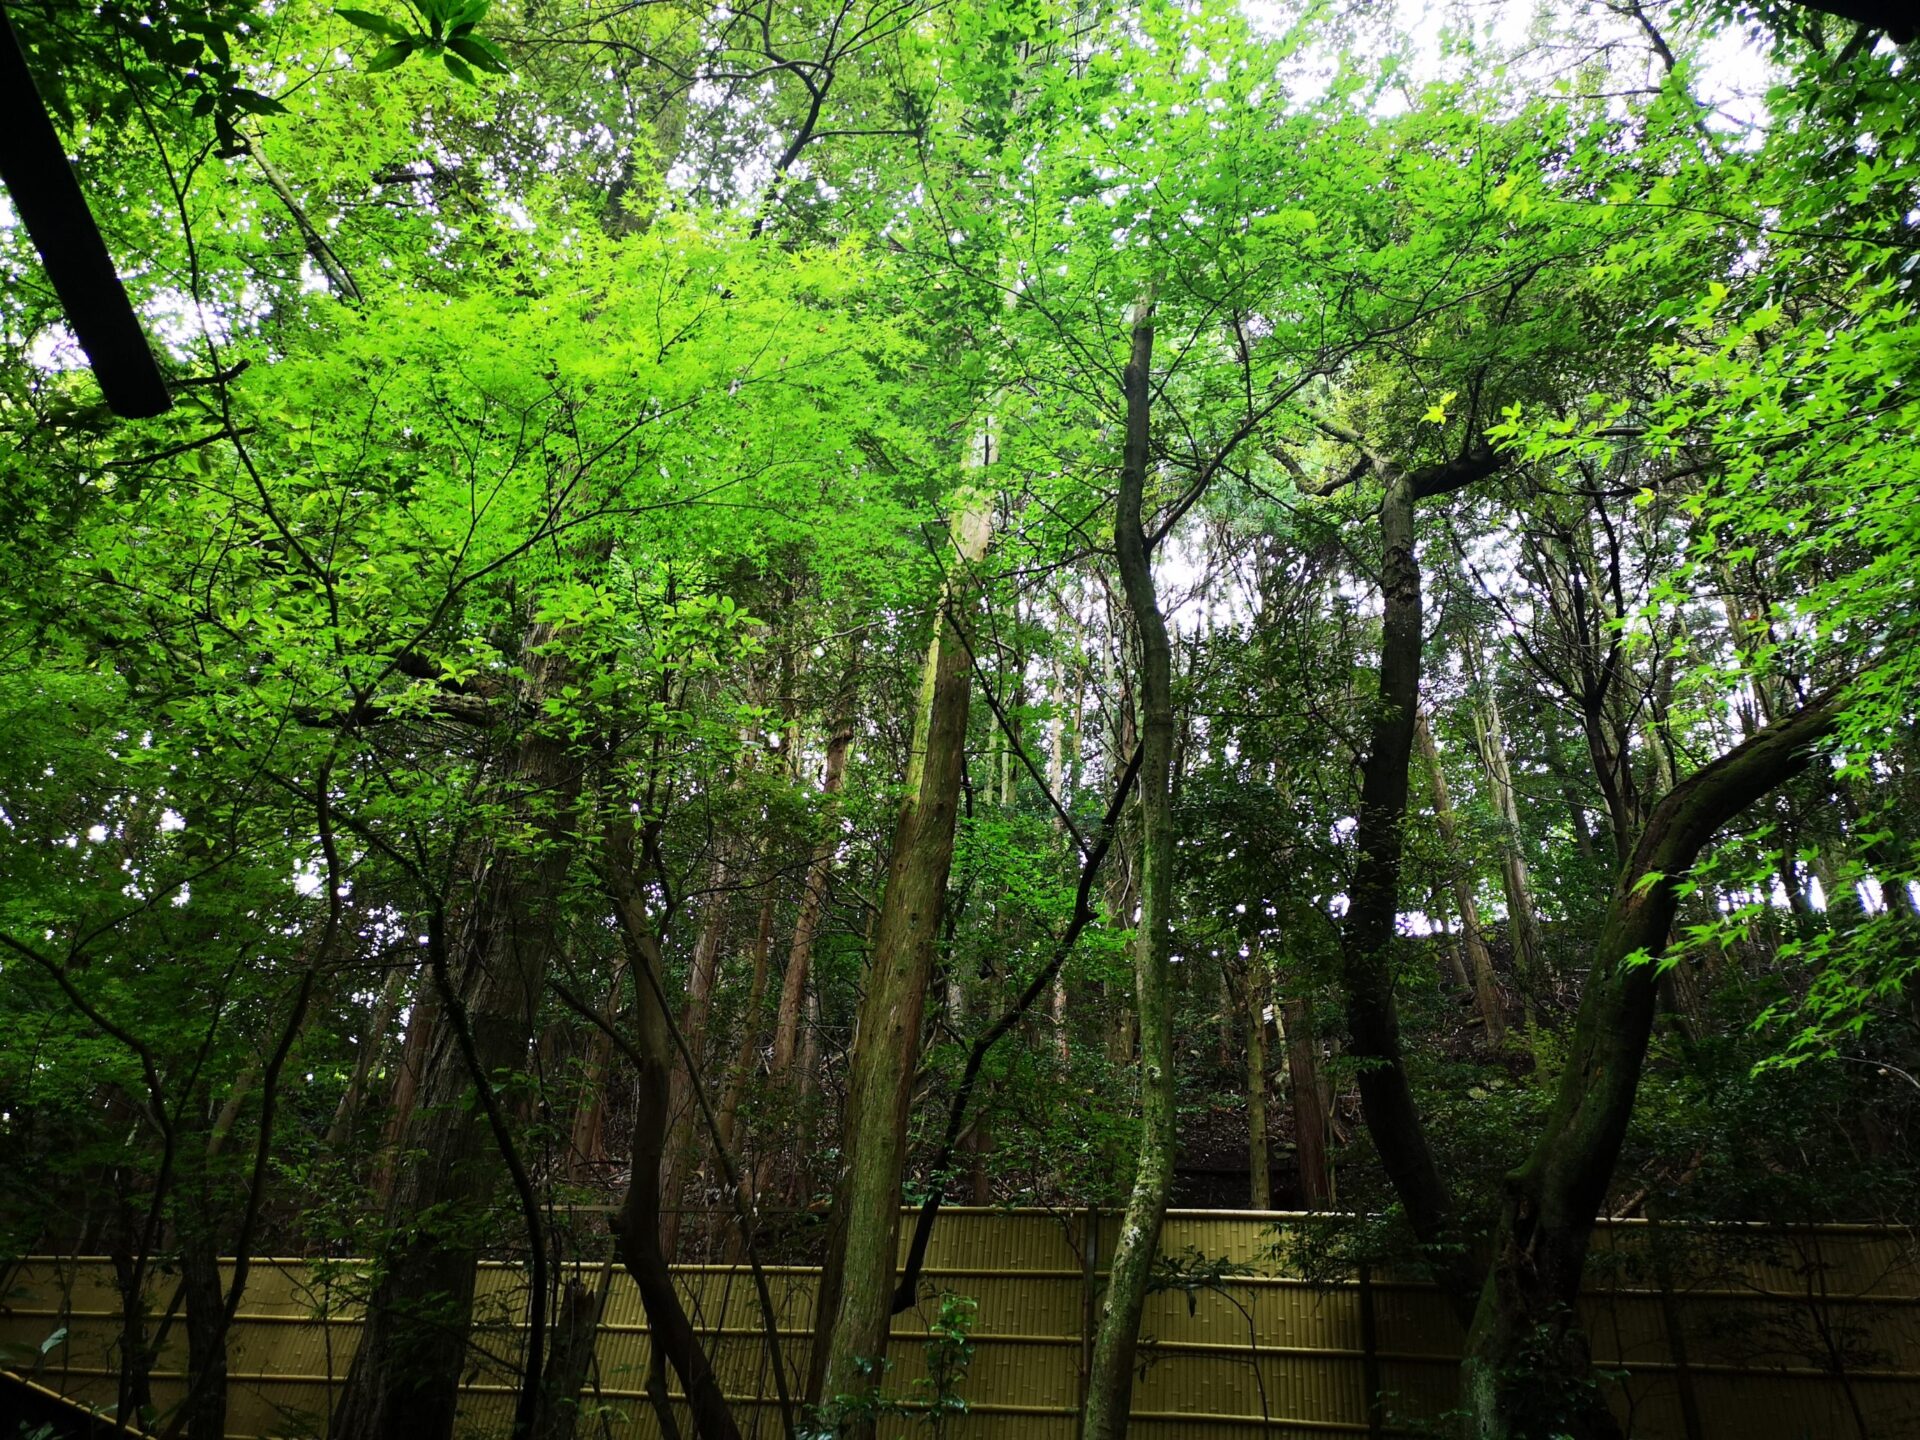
(1731, 76)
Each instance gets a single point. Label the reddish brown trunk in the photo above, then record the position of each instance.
(1309, 1106)
(740, 1072)
(587, 1146)
(680, 1147)
(421, 1022)
(787, 1024)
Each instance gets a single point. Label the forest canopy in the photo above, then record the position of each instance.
(754, 614)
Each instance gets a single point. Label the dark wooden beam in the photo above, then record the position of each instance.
(34, 168)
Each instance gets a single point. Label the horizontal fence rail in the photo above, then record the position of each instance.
(1777, 1333)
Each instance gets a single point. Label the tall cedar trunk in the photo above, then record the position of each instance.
(856, 1293)
(1486, 990)
(404, 1380)
(587, 1140)
(740, 1072)
(1110, 1381)
(1523, 924)
(701, 978)
(570, 1359)
(1259, 1164)
(1366, 940)
(384, 1009)
(1450, 957)
(806, 928)
(1526, 1370)
(637, 1226)
(1310, 1110)
(422, 1019)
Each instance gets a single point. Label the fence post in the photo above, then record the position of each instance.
(1370, 1356)
(1089, 1277)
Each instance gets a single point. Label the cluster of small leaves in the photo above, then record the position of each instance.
(447, 28)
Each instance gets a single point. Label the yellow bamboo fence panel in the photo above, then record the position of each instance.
(1782, 1334)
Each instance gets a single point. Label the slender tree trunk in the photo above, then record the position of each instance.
(1366, 941)
(136, 1354)
(587, 1143)
(637, 1227)
(1259, 1163)
(806, 929)
(856, 1294)
(1450, 954)
(384, 1008)
(740, 1072)
(702, 975)
(1522, 916)
(1110, 1382)
(1310, 1110)
(570, 1360)
(1486, 989)
(205, 1309)
(1526, 1370)
(1123, 881)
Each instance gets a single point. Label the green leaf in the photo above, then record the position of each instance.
(459, 69)
(377, 24)
(482, 52)
(254, 103)
(391, 56)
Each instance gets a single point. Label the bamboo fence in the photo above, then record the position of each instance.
(1764, 1333)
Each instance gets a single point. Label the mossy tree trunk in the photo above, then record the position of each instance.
(1526, 1371)
(1110, 1383)
(1259, 1163)
(856, 1290)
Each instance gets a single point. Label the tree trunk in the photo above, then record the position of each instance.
(1366, 939)
(384, 1008)
(806, 928)
(404, 1380)
(205, 1306)
(587, 1142)
(135, 1397)
(1259, 1164)
(422, 1016)
(740, 1072)
(570, 1360)
(637, 1226)
(1110, 1381)
(1486, 989)
(701, 978)
(856, 1294)
(1309, 1104)
(1526, 1370)
(1522, 918)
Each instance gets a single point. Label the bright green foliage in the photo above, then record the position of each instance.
(609, 400)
